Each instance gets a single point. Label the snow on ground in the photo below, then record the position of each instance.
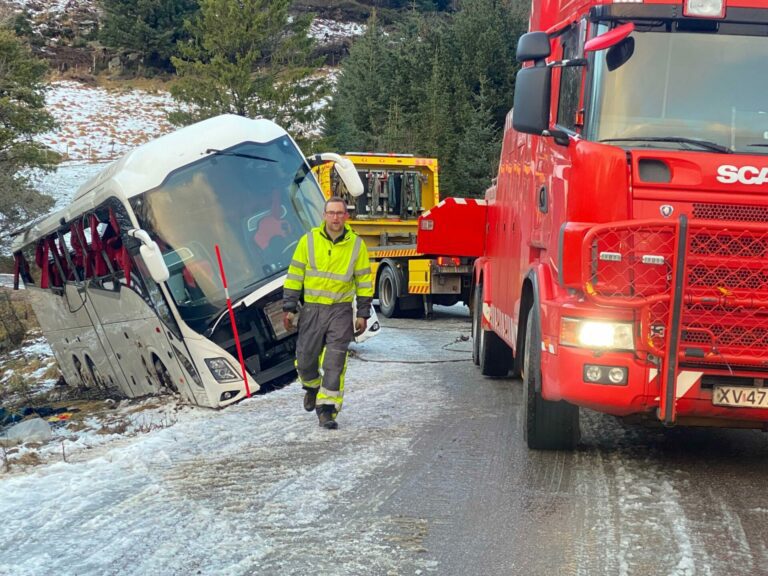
(62, 183)
(255, 488)
(97, 124)
(29, 363)
(6, 281)
(52, 7)
(327, 31)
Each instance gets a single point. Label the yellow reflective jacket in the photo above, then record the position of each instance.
(329, 272)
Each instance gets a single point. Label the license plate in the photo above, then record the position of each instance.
(274, 311)
(740, 396)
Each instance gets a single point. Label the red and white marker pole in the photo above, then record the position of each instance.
(232, 322)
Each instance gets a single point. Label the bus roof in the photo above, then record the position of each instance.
(147, 166)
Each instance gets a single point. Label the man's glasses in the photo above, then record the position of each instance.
(335, 214)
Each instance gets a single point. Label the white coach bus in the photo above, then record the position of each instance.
(125, 280)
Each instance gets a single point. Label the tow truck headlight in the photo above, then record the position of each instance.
(221, 369)
(600, 334)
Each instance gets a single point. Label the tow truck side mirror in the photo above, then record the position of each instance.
(533, 85)
(532, 98)
(151, 255)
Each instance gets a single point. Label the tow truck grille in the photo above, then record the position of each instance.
(724, 318)
(730, 212)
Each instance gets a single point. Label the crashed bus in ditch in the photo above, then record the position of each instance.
(125, 280)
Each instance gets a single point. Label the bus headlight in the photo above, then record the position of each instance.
(597, 334)
(221, 369)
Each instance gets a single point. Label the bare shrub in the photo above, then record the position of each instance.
(12, 330)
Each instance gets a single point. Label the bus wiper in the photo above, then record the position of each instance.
(762, 144)
(706, 144)
(239, 155)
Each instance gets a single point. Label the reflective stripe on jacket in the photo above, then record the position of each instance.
(330, 272)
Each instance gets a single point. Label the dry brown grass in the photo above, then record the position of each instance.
(151, 85)
(28, 459)
(116, 427)
(15, 308)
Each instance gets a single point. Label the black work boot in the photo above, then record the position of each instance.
(325, 416)
(309, 399)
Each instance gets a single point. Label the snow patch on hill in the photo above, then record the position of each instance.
(96, 124)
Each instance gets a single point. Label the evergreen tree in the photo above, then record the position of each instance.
(477, 150)
(22, 116)
(434, 87)
(359, 109)
(484, 35)
(248, 57)
(150, 28)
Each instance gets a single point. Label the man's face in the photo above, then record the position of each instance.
(335, 215)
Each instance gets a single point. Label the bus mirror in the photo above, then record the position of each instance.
(150, 253)
(348, 174)
(346, 170)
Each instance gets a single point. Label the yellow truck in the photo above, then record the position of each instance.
(398, 189)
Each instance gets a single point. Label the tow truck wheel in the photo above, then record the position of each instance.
(493, 354)
(388, 293)
(477, 311)
(546, 425)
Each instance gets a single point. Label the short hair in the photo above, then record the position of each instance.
(333, 199)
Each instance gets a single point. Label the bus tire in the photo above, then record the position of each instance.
(388, 293)
(96, 377)
(163, 376)
(84, 378)
(494, 356)
(546, 425)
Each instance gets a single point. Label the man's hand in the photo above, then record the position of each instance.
(288, 319)
(360, 324)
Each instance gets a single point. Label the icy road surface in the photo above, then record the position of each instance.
(428, 474)
(255, 488)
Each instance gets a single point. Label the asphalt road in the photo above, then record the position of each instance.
(427, 475)
(474, 500)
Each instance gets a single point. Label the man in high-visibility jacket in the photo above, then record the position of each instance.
(331, 266)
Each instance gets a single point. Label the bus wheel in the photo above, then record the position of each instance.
(96, 378)
(163, 376)
(84, 377)
(546, 425)
(493, 354)
(388, 293)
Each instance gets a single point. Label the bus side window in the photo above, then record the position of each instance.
(34, 272)
(80, 249)
(67, 250)
(23, 267)
(115, 250)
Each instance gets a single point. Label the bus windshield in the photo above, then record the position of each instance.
(679, 88)
(253, 200)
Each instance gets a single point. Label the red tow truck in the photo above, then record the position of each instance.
(623, 257)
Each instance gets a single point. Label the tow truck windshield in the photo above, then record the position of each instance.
(685, 91)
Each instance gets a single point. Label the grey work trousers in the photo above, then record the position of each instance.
(327, 330)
